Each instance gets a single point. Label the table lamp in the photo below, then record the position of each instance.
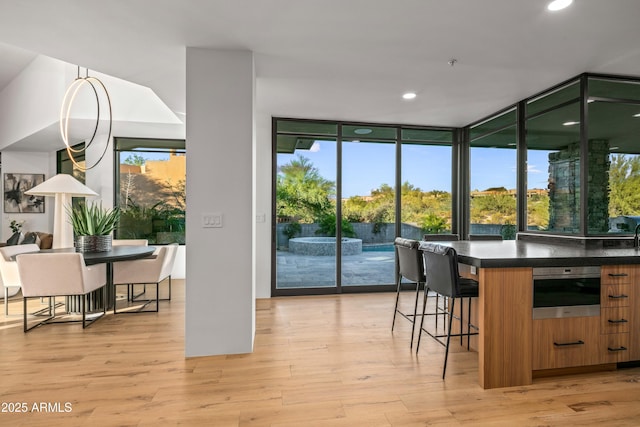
(63, 187)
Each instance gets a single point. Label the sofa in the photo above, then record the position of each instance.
(42, 239)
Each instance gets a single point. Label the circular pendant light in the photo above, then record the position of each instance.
(65, 113)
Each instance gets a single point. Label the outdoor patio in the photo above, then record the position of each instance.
(305, 271)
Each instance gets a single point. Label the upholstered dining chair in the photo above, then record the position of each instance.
(146, 271)
(9, 269)
(59, 274)
(131, 242)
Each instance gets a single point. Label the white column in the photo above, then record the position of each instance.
(220, 313)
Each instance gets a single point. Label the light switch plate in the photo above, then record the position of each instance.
(212, 220)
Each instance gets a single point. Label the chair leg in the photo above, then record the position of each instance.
(6, 301)
(395, 310)
(52, 314)
(424, 308)
(415, 314)
(437, 309)
(461, 321)
(24, 314)
(468, 326)
(83, 305)
(446, 352)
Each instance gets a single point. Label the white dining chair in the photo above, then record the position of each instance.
(146, 271)
(9, 270)
(60, 274)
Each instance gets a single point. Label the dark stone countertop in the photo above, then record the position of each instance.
(518, 253)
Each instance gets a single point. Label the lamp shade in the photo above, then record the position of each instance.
(63, 187)
(61, 184)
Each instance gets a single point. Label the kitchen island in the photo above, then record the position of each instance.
(512, 346)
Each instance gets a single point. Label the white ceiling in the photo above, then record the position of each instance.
(338, 59)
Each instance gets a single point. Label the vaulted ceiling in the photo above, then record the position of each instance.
(336, 59)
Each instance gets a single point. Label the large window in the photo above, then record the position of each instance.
(150, 188)
(336, 201)
(614, 156)
(493, 172)
(67, 166)
(553, 162)
(426, 188)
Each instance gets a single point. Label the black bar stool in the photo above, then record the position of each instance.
(411, 267)
(442, 277)
(440, 309)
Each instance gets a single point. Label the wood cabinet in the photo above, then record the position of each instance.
(617, 296)
(612, 337)
(634, 314)
(566, 342)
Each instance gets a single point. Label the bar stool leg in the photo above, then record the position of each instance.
(424, 307)
(468, 326)
(415, 314)
(446, 352)
(395, 310)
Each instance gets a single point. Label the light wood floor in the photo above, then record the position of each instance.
(318, 361)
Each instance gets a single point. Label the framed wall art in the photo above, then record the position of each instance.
(15, 201)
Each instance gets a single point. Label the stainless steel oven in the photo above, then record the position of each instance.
(566, 292)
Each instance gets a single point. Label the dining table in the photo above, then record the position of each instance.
(119, 253)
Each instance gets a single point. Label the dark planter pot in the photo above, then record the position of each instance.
(86, 244)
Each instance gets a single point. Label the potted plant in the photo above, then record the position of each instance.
(92, 226)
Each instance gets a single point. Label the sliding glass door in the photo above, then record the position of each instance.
(368, 205)
(337, 210)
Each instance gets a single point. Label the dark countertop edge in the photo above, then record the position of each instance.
(547, 262)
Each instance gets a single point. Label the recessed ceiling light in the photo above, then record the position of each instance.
(636, 115)
(409, 95)
(570, 123)
(614, 148)
(363, 131)
(559, 4)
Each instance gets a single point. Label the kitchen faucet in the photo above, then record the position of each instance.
(636, 240)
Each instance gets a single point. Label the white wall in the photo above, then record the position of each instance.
(32, 100)
(21, 162)
(220, 300)
(262, 242)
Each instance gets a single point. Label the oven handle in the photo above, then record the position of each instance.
(618, 296)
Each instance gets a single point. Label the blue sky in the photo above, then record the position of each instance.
(368, 165)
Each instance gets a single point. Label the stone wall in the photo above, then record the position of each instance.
(564, 188)
(598, 201)
(369, 233)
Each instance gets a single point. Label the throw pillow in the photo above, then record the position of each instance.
(15, 239)
(31, 237)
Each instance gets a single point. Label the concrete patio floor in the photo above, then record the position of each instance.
(305, 271)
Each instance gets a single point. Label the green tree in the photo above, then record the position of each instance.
(624, 185)
(302, 193)
(498, 207)
(135, 159)
(538, 211)
(433, 224)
